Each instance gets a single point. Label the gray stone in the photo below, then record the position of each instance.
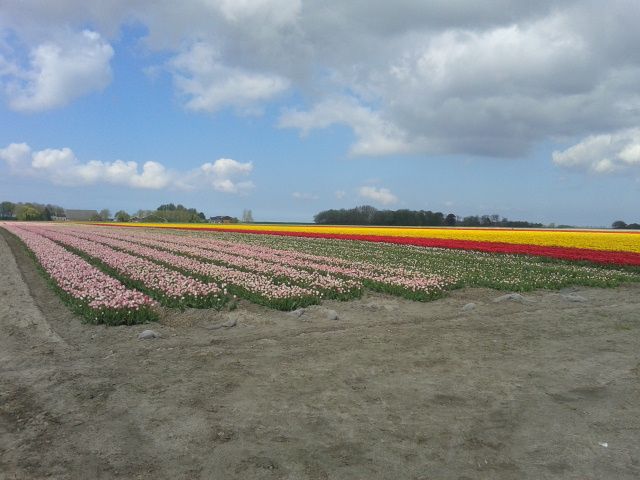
(148, 334)
(297, 313)
(230, 323)
(572, 297)
(469, 306)
(332, 315)
(513, 297)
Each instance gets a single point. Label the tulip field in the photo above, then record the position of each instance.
(597, 246)
(112, 274)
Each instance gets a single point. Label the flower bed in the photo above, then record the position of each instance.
(169, 287)
(95, 295)
(598, 246)
(399, 281)
(330, 286)
(257, 288)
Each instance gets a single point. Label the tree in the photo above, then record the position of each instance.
(247, 216)
(450, 220)
(618, 224)
(56, 210)
(28, 214)
(122, 216)
(105, 214)
(7, 209)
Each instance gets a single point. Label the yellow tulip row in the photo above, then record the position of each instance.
(587, 239)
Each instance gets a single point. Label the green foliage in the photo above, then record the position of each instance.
(368, 215)
(496, 221)
(7, 210)
(105, 214)
(122, 216)
(175, 214)
(450, 220)
(619, 224)
(28, 213)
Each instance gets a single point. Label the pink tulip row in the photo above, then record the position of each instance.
(256, 287)
(325, 282)
(97, 295)
(167, 285)
(376, 276)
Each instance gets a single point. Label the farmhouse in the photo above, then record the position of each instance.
(221, 219)
(81, 215)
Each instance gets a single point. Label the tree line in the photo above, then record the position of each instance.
(165, 213)
(168, 213)
(29, 211)
(368, 215)
(619, 224)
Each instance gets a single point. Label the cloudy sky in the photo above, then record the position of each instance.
(530, 110)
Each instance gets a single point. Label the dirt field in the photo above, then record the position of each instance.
(545, 387)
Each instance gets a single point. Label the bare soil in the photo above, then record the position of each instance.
(541, 388)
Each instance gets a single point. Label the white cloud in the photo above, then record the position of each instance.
(60, 71)
(17, 156)
(340, 194)
(378, 195)
(304, 196)
(209, 85)
(221, 175)
(375, 136)
(226, 185)
(153, 175)
(445, 77)
(227, 167)
(61, 167)
(274, 12)
(606, 153)
(53, 159)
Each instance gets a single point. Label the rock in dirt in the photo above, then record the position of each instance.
(469, 306)
(232, 322)
(332, 315)
(513, 297)
(148, 334)
(572, 297)
(297, 313)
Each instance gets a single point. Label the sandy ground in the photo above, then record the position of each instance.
(393, 389)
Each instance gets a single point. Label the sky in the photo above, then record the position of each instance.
(529, 110)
